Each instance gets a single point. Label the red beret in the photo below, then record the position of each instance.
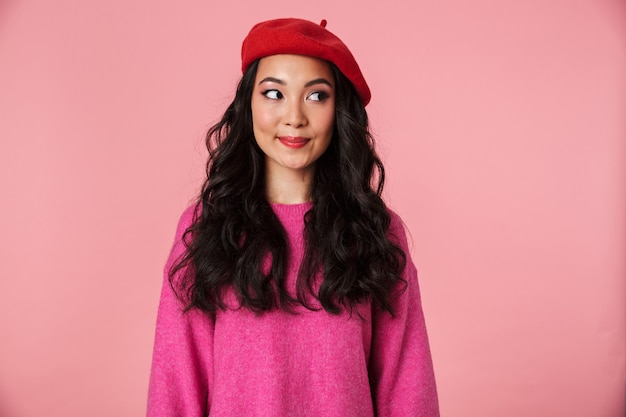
(301, 37)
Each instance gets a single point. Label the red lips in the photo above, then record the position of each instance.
(293, 142)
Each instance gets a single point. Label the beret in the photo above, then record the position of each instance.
(302, 37)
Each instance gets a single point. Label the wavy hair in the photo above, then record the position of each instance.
(235, 229)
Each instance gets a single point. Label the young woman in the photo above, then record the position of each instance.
(289, 290)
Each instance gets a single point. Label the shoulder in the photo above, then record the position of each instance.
(397, 229)
(187, 218)
(190, 213)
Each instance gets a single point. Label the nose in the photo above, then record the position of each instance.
(294, 114)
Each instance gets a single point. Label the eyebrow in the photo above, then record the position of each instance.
(318, 81)
(308, 84)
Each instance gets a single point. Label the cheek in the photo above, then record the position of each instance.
(328, 126)
(329, 122)
(262, 118)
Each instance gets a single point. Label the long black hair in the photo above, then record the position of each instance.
(235, 228)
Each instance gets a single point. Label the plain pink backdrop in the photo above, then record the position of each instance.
(502, 127)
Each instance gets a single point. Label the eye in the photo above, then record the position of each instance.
(318, 96)
(272, 94)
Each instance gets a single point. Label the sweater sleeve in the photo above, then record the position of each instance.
(401, 369)
(182, 358)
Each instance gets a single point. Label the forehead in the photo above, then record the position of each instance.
(295, 67)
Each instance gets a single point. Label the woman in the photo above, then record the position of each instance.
(289, 290)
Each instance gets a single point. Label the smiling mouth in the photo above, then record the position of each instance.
(293, 141)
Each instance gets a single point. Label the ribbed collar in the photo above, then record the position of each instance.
(286, 212)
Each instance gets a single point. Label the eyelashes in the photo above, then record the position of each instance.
(274, 94)
(318, 96)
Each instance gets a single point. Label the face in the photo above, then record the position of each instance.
(293, 112)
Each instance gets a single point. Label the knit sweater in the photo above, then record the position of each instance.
(277, 363)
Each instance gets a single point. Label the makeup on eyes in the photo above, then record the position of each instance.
(274, 94)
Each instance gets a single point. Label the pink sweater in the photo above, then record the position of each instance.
(281, 364)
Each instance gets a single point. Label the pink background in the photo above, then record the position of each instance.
(502, 127)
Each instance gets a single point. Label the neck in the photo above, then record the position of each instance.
(288, 186)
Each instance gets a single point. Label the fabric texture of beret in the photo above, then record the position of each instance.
(302, 37)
